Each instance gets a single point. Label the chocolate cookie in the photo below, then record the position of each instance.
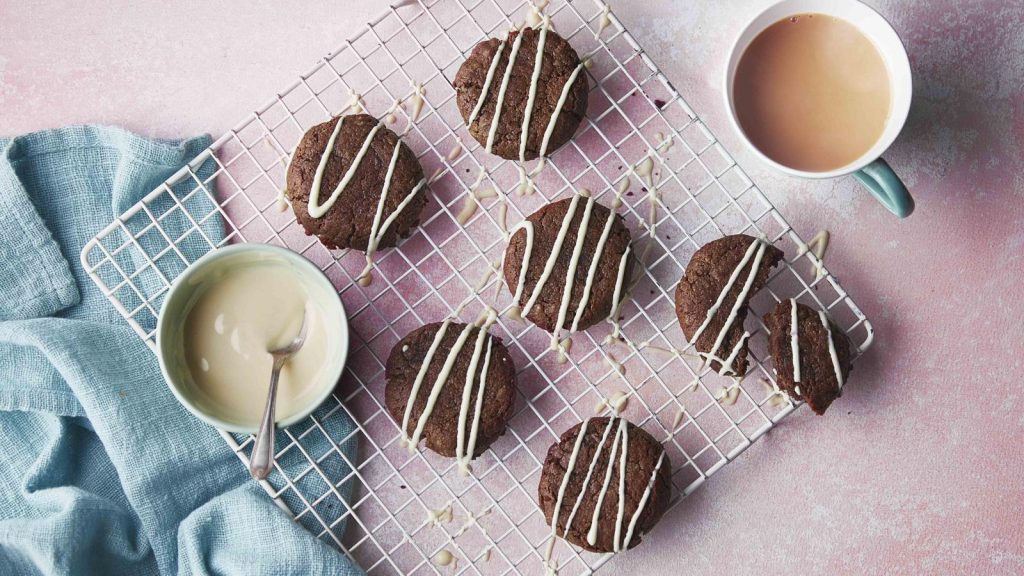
(712, 297)
(452, 420)
(812, 367)
(496, 99)
(576, 481)
(548, 242)
(350, 219)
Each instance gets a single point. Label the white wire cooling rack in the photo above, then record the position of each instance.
(387, 509)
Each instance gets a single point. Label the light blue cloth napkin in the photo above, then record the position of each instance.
(101, 470)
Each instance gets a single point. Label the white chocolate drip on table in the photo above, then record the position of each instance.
(455, 152)
(728, 395)
(441, 515)
(616, 402)
(418, 91)
(604, 21)
(471, 202)
(444, 558)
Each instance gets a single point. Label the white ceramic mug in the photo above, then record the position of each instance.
(870, 169)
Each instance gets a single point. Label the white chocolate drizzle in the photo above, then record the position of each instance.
(376, 238)
(620, 432)
(561, 491)
(592, 272)
(538, 62)
(624, 530)
(375, 235)
(501, 91)
(832, 349)
(756, 251)
(516, 311)
(574, 260)
(549, 266)
(794, 339)
(316, 210)
(487, 83)
(464, 450)
(465, 445)
(643, 502)
(550, 129)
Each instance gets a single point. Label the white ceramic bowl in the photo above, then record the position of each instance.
(182, 296)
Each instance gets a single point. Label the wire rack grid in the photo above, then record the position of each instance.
(395, 512)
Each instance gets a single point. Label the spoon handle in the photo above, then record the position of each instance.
(261, 461)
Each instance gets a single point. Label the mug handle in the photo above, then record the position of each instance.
(883, 183)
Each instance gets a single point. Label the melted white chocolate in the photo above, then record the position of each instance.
(235, 320)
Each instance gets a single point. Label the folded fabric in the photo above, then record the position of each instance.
(101, 470)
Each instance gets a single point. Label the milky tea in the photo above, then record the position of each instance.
(811, 92)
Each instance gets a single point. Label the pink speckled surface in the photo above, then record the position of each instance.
(919, 468)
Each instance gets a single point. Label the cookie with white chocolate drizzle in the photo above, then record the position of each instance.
(452, 385)
(812, 360)
(712, 297)
(604, 484)
(567, 264)
(524, 96)
(353, 183)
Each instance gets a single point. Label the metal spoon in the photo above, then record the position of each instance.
(262, 458)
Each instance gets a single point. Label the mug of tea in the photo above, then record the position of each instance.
(821, 88)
